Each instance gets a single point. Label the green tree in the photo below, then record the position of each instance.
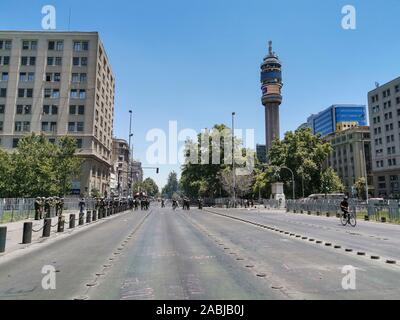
(33, 164)
(66, 164)
(172, 185)
(330, 182)
(203, 180)
(148, 186)
(305, 154)
(40, 168)
(360, 187)
(6, 170)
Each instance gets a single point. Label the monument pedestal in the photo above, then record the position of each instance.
(277, 194)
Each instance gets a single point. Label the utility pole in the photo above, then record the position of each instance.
(130, 154)
(233, 159)
(365, 171)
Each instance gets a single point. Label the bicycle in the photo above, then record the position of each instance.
(348, 218)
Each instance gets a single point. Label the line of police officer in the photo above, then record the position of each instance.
(43, 207)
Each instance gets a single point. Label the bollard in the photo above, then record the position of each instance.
(71, 221)
(89, 216)
(27, 233)
(100, 214)
(81, 219)
(108, 212)
(3, 237)
(61, 224)
(94, 215)
(46, 228)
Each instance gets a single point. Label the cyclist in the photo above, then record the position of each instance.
(344, 205)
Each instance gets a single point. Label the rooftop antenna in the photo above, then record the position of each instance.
(270, 47)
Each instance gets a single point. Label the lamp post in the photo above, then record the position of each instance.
(293, 183)
(233, 159)
(130, 153)
(365, 172)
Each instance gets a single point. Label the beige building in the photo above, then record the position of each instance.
(121, 171)
(384, 114)
(59, 83)
(351, 156)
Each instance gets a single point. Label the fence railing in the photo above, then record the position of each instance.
(389, 211)
(15, 209)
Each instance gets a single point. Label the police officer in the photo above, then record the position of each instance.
(47, 207)
(38, 208)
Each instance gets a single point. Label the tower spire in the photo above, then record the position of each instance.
(270, 48)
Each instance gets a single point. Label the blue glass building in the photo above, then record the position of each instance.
(326, 121)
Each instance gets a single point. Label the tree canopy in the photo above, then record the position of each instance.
(39, 168)
(172, 185)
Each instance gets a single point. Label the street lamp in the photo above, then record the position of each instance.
(293, 183)
(366, 172)
(233, 159)
(129, 152)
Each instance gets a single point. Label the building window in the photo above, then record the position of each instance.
(27, 109)
(72, 110)
(2, 108)
(28, 61)
(5, 61)
(4, 76)
(79, 143)
(78, 94)
(81, 46)
(53, 77)
(50, 110)
(79, 126)
(22, 126)
(15, 143)
(81, 110)
(56, 45)
(1, 126)
(3, 92)
(29, 45)
(25, 93)
(54, 61)
(5, 44)
(52, 93)
(80, 61)
(71, 126)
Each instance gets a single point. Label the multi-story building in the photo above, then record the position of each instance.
(137, 171)
(384, 113)
(338, 117)
(351, 156)
(58, 84)
(121, 169)
(261, 151)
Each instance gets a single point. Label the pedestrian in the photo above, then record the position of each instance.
(82, 205)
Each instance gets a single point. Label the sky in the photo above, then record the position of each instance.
(195, 62)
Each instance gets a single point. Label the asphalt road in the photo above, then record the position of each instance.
(165, 254)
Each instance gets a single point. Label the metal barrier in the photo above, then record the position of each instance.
(388, 212)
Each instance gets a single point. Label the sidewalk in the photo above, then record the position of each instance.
(15, 230)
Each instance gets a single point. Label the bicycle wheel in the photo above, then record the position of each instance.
(343, 220)
(353, 220)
